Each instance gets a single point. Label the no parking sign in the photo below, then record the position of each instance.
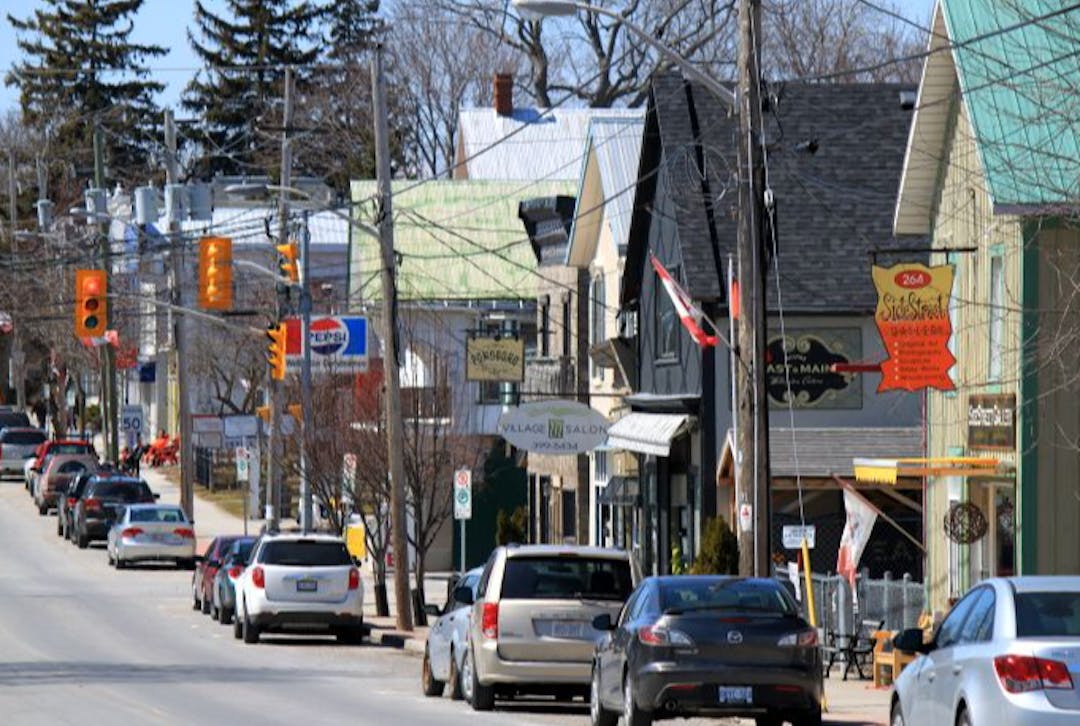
(463, 494)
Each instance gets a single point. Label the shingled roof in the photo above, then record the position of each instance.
(833, 207)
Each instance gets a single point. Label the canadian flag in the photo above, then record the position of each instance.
(111, 337)
(861, 516)
(690, 315)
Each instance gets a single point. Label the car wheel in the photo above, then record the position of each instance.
(430, 685)
(483, 697)
(466, 677)
(896, 717)
(204, 605)
(352, 635)
(598, 715)
(251, 631)
(225, 615)
(120, 564)
(59, 526)
(455, 678)
(807, 718)
(43, 509)
(82, 541)
(215, 613)
(632, 715)
(108, 553)
(196, 603)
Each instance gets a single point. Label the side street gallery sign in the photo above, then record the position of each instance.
(913, 318)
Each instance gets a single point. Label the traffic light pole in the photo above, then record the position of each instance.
(306, 425)
(108, 372)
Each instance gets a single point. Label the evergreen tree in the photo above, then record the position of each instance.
(81, 68)
(245, 58)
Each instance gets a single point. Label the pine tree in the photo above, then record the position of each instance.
(245, 58)
(81, 68)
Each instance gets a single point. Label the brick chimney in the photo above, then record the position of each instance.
(504, 94)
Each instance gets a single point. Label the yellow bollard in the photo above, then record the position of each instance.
(809, 588)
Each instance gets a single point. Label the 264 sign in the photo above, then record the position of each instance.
(463, 494)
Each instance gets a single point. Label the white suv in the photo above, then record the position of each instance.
(302, 582)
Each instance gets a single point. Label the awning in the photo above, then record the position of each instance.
(646, 433)
(621, 491)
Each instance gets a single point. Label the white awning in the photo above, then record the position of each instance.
(646, 433)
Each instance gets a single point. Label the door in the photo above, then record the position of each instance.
(935, 675)
(611, 655)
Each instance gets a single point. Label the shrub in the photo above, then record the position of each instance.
(719, 553)
(511, 528)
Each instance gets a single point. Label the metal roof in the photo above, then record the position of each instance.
(531, 143)
(617, 143)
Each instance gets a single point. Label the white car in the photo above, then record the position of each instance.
(300, 581)
(448, 638)
(1007, 654)
(151, 532)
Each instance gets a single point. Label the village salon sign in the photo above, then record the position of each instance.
(554, 427)
(913, 318)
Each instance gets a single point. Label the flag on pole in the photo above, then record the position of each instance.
(861, 516)
(690, 315)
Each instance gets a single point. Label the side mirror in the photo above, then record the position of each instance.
(603, 622)
(463, 595)
(158, 496)
(911, 641)
(432, 610)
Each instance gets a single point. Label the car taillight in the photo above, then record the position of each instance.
(91, 504)
(131, 532)
(660, 635)
(1023, 673)
(489, 620)
(801, 639)
(354, 578)
(234, 571)
(185, 532)
(258, 578)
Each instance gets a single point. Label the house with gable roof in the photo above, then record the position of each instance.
(992, 176)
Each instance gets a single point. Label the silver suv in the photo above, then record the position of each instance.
(531, 627)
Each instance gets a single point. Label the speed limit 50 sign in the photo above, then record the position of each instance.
(463, 494)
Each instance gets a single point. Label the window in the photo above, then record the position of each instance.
(23, 438)
(597, 319)
(667, 320)
(1047, 614)
(949, 632)
(600, 466)
(980, 623)
(303, 552)
(997, 317)
(569, 514)
(627, 610)
(567, 326)
(727, 594)
(545, 328)
(539, 578)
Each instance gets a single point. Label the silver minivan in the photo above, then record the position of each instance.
(531, 630)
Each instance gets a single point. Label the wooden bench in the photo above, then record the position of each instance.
(857, 648)
(886, 656)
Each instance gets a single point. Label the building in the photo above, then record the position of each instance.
(991, 173)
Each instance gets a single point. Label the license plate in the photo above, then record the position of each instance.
(307, 585)
(734, 694)
(567, 629)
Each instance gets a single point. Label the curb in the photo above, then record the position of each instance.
(389, 639)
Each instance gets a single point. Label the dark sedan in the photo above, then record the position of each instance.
(223, 589)
(711, 645)
(97, 507)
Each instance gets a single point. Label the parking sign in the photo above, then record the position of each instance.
(463, 494)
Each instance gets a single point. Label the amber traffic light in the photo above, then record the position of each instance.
(275, 354)
(215, 273)
(90, 308)
(288, 261)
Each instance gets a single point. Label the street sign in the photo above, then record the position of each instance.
(132, 423)
(746, 517)
(206, 424)
(235, 427)
(348, 471)
(338, 343)
(243, 464)
(463, 494)
(793, 535)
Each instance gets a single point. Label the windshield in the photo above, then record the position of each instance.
(708, 593)
(305, 553)
(555, 577)
(1047, 614)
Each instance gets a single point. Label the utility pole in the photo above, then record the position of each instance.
(307, 424)
(275, 462)
(176, 242)
(108, 372)
(391, 371)
(17, 355)
(752, 443)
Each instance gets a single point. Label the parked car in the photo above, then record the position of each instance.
(14, 418)
(101, 501)
(17, 444)
(66, 501)
(202, 580)
(35, 464)
(448, 637)
(148, 533)
(706, 645)
(224, 589)
(61, 469)
(531, 628)
(295, 580)
(1007, 653)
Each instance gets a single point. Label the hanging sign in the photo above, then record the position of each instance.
(992, 421)
(554, 427)
(799, 368)
(913, 318)
(488, 359)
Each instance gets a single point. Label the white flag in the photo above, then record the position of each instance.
(793, 575)
(861, 516)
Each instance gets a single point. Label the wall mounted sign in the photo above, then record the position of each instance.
(804, 359)
(913, 318)
(488, 359)
(554, 427)
(992, 421)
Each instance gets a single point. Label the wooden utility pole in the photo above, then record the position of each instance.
(18, 371)
(108, 372)
(390, 342)
(752, 443)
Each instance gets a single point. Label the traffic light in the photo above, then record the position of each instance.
(215, 273)
(288, 261)
(90, 307)
(275, 354)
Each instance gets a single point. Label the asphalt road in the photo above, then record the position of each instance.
(83, 644)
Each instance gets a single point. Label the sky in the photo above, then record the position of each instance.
(164, 23)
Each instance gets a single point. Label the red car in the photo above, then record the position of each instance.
(202, 581)
(56, 446)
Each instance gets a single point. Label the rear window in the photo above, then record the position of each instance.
(158, 514)
(1047, 614)
(305, 553)
(725, 594)
(22, 438)
(13, 419)
(540, 578)
(71, 467)
(121, 490)
(70, 449)
(241, 551)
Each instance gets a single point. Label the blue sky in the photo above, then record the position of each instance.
(164, 22)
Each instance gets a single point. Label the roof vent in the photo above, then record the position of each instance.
(907, 100)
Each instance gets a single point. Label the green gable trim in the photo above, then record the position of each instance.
(1013, 85)
(1027, 419)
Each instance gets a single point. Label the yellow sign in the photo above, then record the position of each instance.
(913, 318)
(488, 359)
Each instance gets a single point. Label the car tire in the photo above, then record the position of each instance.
(483, 697)
(196, 603)
(43, 509)
(251, 631)
(82, 541)
(215, 613)
(225, 616)
(431, 686)
(632, 715)
(598, 715)
(896, 715)
(204, 605)
(237, 627)
(120, 564)
(454, 679)
(807, 718)
(59, 525)
(351, 635)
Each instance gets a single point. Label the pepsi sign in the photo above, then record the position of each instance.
(338, 342)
